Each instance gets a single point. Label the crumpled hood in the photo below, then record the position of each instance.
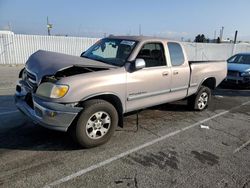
(238, 67)
(48, 63)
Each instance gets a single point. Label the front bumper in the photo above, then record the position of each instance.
(51, 115)
(238, 80)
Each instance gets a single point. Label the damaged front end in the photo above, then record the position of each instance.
(31, 95)
(38, 91)
(51, 115)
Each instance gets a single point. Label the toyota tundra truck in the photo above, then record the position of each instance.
(89, 95)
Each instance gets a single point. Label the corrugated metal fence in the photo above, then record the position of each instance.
(211, 51)
(15, 49)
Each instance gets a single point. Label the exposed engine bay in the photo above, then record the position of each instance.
(32, 81)
(71, 71)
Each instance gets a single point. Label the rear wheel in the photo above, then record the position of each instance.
(96, 123)
(200, 100)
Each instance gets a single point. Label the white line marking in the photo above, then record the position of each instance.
(121, 155)
(219, 96)
(245, 103)
(10, 112)
(242, 146)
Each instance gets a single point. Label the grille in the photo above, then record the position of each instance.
(29, 101)
(233, 73)
(31, 80)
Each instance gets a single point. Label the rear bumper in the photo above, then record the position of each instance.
(47, 114)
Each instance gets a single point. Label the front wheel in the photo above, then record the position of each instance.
(96, 123)
(200, 100)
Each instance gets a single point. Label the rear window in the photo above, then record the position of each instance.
(176, 54)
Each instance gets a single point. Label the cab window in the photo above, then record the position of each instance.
(153, 54)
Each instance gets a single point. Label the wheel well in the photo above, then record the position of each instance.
(210, 83)
(115, 101)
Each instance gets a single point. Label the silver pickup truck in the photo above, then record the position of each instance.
(88, 95)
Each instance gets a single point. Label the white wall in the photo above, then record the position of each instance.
(15, 49)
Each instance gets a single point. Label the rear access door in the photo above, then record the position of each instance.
(180, 70)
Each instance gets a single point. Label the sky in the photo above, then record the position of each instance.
(174, 19)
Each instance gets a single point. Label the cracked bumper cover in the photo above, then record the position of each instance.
(51, 115)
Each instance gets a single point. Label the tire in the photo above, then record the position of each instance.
(96, 123)
(200, 100)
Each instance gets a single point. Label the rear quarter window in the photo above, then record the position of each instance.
(176, 54)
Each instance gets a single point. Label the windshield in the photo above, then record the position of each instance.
(111, 51)
(240, 59)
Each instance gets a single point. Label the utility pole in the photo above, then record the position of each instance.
(235, 36)
(49, 26)
(221, 33)
(9, 26)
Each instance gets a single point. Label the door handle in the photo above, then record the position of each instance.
(165, 74)
(176, 72)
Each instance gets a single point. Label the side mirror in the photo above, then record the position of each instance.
(140, 64)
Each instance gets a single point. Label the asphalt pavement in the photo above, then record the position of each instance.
(171, 147)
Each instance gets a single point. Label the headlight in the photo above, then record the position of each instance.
(245, 74)
(52, 90)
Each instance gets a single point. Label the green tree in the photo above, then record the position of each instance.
(201, 38)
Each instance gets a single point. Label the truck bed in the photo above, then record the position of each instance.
(200, 70)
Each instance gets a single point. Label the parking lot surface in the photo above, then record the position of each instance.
(172, 147)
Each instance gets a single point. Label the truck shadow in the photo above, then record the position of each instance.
(179, 106)
(19, 133)
(29, 136)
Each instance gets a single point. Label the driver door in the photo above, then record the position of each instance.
(150, 85)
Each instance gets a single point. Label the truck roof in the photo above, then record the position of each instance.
(138, 38)
(244, 53)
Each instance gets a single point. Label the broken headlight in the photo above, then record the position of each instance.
(51, 90)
